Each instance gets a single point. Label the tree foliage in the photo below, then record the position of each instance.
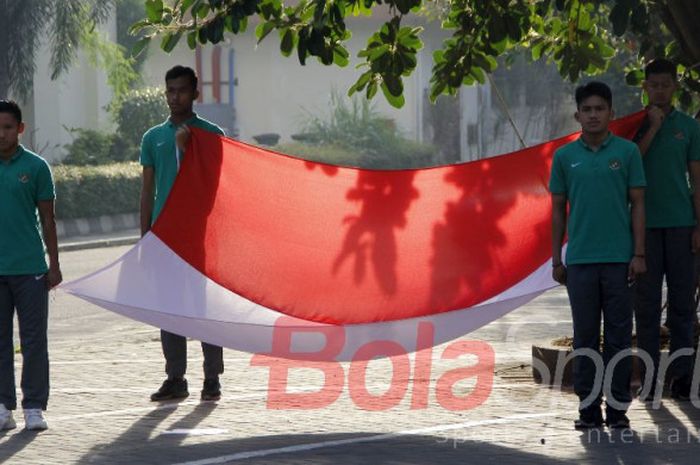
(580, 36)
(66, 25)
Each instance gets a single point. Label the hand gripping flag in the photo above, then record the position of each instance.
(266, 253)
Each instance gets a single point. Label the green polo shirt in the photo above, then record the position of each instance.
(596, 185)
(668, 196)
(158, 150)
(25, 179)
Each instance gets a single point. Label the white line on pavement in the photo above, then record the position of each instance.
(258, 395)
(377, 437)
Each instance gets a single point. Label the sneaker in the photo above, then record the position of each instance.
(211, 389)
(590, 417)
(6, 420)
(171, 389)
(34, 420)
(616, 419)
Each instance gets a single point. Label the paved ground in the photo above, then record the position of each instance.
(104, 367)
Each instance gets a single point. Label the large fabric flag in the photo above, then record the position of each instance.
(266, 253)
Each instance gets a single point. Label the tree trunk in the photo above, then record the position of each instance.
(4, 61)
(683, 17)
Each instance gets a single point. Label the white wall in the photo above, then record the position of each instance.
(77, 99)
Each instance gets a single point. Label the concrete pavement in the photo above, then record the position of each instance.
(104, 367)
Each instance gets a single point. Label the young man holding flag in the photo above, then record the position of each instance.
(162, 149)
(670, 145)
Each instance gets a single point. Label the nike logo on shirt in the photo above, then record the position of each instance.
(574, 165)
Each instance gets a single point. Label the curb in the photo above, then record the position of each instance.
(97, 243)
(96, 225)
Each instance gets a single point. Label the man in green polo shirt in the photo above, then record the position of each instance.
(162, 149)
(26, 214)
(599, 176)
(670, 145)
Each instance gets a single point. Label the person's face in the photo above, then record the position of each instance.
(10, 130)
(660, 88)
(594, 114)
(180, 95)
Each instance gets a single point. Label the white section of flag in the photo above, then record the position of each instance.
(152, 284)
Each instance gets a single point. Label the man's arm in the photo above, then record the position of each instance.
(147, 193)
(655, 117)
(638, 263)
(48, 227)
(558, 230)
(694, 171)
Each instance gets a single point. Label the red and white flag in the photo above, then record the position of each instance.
(255, 249)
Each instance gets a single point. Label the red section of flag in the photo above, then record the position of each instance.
(343, 246)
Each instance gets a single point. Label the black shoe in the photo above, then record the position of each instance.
(211, 389)
(680, 389)
(616, 419)
(647, 398)
(590, 417)
(171, 389)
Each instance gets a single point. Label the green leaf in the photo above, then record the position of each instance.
(302, 44)
(373, 54)
(361, 83)
(371, 89)
(140, 46)
(393, 84)
(287, 42)
(478, 74)
(154, 10)
(394, 101)
(318, 12)
(497, 29)
(513, 28)
(640, 19)
(437, 89)
(634, 77)
(170, 41)
(619, 17)
(340, 57)
(185, 5)
(192, 40)
(202, 11)
(263, 29)
(215, 30)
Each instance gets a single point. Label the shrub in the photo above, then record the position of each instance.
(84, 191)
(93, 147)
(137, 111)
(358, 129)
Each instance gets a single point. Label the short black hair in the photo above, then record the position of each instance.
(10, 106)
(597, 88)
(661, 66)
(179, 71)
